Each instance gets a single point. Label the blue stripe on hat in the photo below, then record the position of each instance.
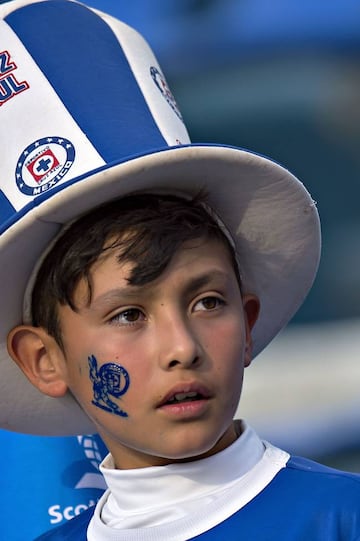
(105, 102)
(6, 208)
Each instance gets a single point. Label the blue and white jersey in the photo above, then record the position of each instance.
(278, 497)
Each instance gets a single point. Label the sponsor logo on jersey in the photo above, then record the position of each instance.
(162, 85)
(9, 85)
(43, 164)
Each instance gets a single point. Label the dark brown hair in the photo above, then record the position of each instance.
(146, 229)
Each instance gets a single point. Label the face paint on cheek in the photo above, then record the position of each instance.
(110, 379)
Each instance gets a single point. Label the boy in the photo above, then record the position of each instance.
(140, 275)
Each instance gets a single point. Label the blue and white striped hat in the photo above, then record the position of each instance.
(86, 116)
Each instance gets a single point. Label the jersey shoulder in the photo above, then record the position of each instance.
(302, 464)
(330, 482)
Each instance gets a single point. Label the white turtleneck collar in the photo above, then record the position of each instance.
(153, 503)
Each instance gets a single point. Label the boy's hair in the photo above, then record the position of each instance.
(145, 229)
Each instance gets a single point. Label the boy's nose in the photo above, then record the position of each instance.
(179, 346)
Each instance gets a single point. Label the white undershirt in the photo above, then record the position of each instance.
(179, 501)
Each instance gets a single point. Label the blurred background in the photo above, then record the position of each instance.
(282, 78)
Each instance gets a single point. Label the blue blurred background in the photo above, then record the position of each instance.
(281, 78)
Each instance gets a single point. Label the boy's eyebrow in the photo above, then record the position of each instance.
(203, 280)
(131, 293)
(117, 294)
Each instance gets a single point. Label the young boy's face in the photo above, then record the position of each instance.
(159, 367)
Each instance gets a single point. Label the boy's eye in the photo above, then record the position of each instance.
(208, 303)
(128, 316)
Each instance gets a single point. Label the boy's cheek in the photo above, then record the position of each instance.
(108, 383)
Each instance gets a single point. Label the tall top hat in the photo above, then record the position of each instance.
(86, 116)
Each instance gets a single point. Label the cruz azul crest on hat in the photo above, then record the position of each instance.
(43, 164)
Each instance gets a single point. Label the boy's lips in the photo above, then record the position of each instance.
(185, 392)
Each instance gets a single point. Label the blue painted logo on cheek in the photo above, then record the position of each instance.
(110, 380)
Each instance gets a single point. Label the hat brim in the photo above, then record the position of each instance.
(269, 213)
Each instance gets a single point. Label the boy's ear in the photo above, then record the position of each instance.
(251, 305)
(39, 357)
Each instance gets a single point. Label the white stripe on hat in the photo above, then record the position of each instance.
(38, 101)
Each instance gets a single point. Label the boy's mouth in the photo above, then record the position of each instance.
(184, 397)
(188, 393)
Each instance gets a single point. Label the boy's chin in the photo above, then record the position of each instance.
(198, 447)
